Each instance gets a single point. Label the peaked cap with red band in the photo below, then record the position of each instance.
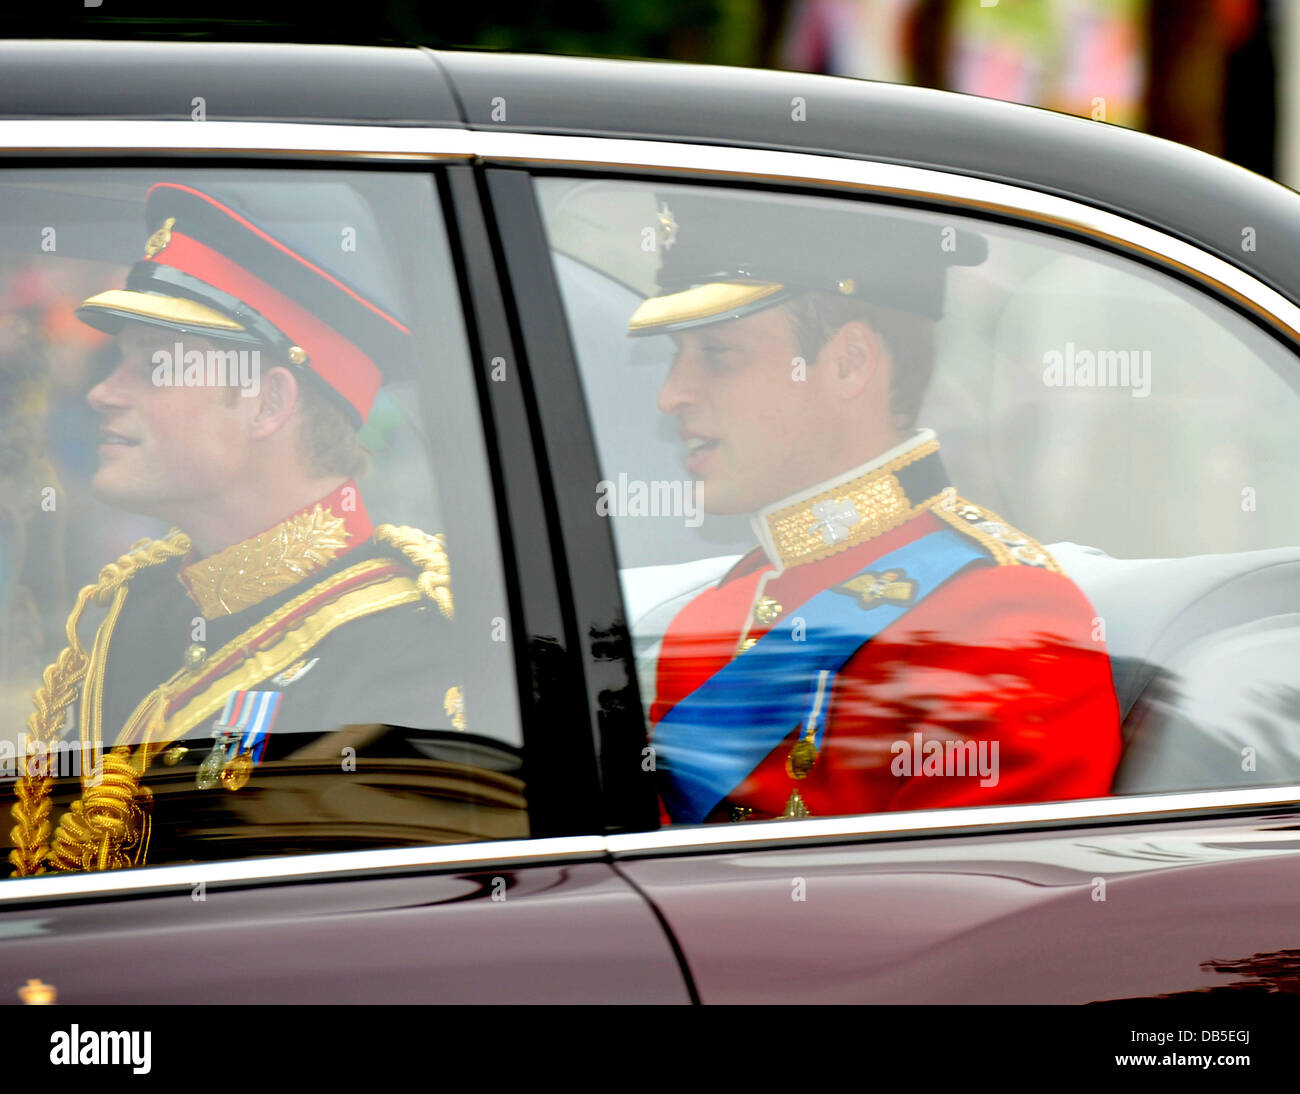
(209, 269)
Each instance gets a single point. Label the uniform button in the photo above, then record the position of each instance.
(767, 610)
(173, 755)
(194, 655)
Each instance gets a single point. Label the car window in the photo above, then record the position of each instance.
(251, 595)
(917, 509)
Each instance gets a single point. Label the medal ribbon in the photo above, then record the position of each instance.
(710, 741)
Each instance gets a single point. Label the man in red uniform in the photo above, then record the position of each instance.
(888, 644)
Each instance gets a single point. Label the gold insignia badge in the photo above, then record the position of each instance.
(796, 807)
(160, 238)
(873, 590)
(453, 704)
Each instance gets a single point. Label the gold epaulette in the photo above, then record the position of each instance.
(429, 555)
(1007, 544)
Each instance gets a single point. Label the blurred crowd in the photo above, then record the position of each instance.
(1201, 72)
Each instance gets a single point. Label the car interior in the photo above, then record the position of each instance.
(1166, 499)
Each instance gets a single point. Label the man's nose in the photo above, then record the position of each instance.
(678, 390)
(108, 394)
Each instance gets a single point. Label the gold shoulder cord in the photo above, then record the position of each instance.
(109, 827)
(31, 810)
(429, 554)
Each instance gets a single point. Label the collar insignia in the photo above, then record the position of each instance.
(841, 514)
(834, 519)
(247, 573)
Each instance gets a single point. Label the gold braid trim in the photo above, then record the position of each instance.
(58, 690)
(429, 553)
(1008, 545)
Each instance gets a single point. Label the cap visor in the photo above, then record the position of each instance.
(107, 311)
(702, 304)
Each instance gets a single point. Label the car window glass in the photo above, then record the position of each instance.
(1115, 449)
(239, 417)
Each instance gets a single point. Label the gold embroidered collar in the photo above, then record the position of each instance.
(247, 573)
(859, 505)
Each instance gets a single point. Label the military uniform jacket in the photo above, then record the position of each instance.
(1002, 657)
(319, 658)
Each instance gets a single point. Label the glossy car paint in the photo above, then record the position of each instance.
(1081, 915)
(571, 933)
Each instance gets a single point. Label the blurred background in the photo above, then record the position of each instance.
(1220, 75)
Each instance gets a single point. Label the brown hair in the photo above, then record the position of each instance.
(328, 441)
(816, 316)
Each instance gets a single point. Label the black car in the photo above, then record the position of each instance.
(1118, 376)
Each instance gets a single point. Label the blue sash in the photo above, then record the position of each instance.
(710, 741)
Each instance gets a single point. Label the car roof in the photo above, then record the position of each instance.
(1188, 193)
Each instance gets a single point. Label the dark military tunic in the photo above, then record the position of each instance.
(369, 746)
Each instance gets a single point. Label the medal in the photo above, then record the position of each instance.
(237, 772)
(210, 769)
(801, 758)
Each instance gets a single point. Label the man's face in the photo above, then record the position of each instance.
(164, 449)
(756, 427)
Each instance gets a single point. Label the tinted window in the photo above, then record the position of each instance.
(1115, 446)
(260, 379)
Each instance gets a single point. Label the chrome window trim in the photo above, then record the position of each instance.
(398, 143)
(761, 835)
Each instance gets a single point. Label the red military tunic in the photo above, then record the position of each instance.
(1003, 654)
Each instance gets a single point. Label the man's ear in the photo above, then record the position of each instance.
(277, 395)
(858, 357)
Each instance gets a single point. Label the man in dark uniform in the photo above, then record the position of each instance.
(250, 663)
(889, 644)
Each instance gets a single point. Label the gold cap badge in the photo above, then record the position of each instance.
(160, 238)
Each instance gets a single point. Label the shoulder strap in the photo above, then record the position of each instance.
(1006, 544)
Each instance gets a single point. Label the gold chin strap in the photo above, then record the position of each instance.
(103, 817)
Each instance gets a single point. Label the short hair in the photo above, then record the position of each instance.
(909, 338)
(328, 440)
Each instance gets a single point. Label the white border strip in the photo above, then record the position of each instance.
(469, 856)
